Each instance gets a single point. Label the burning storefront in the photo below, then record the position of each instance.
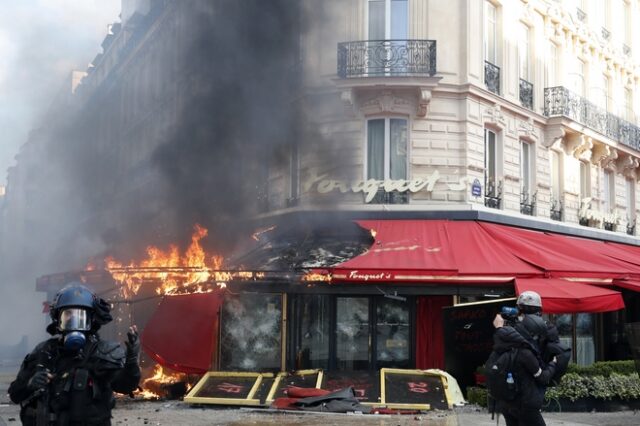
(353, 296)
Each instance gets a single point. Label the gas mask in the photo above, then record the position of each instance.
(73, 324)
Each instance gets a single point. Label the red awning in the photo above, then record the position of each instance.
(560, 255)
(182, 333)
(431, 250)
(633, 285)
(562, 296)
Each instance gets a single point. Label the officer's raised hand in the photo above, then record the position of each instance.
(40, 379)
(133, 344)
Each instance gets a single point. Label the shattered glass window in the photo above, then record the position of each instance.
(392, 333)
(313, 317)
(251, 333)
(352, 333)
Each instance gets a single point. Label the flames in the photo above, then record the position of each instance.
(154, 386)
(170, 270)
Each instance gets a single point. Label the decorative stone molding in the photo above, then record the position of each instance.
(527, 131)
(553, 136)
(348, 99)
(386, 102)
(494, 117)
(605, 156)
(628, 166)
(580, 147)
(424, 98)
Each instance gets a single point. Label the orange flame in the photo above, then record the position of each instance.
(158, 378)
(175, 272)
(313, 276)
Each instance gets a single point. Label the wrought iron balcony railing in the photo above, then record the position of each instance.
(492, 77)
(492, 193)
(606, 34)
(560, 101)
(556, 209)
(375, 58)
(580, 15)
(609, 226)
(631, 227)
(626, 50)
(527, 202)
(526, 94)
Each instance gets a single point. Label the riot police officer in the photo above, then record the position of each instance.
(70, 378)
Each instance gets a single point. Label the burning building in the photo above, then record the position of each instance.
(394, 170)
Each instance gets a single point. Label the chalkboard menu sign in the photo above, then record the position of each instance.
(413, 389)
(468, 337)
(230, 388)
(366, 385)
(300, 379)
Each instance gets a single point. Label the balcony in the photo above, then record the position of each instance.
(631, 227)
(526, 94)
(492, 77)
(527, 202)
(379, 58)
(626, 50)
(606, 34)
(559, 101)
(492, 193)
(556, 209)
(582, 17)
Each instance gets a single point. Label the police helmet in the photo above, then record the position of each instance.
(72, 308)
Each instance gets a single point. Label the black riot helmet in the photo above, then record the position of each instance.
(76, 308)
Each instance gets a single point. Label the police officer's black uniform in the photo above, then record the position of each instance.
(70, 378)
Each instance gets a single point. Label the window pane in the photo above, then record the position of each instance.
(352, 333)
(564, 324)
(607, 191)
(525, 166)
(552, 65)
(490, 155)
(376, 20)
(585, 348)
(313, 351)
(523, 52)
(490, 30)
(245, 347)
(398, 149)
(392, 334)
(631, 200)
(585, 184)
(375, 149)
(555, 175)
(399, 19)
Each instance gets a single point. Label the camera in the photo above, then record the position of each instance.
(509, 314)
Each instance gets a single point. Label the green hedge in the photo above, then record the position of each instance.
(573, 386)
(604, 368)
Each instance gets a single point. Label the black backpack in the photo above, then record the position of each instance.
(497, 370)
(562, 352)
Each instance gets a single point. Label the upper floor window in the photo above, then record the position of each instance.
(551, 74)
(492, 186)
(600, 93)
(631, 205)
(576, 77)
(527, 194)
(388, 20)
(523, 52)
(557, 180)
(585, 180)
(387, 142)
(628, 105)
(490, 32)
(609, 191)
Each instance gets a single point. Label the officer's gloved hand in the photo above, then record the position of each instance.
(39, 380)
(133, 344)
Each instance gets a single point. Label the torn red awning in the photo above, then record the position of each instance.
(561, 296)
(182, 332)
(431, 250)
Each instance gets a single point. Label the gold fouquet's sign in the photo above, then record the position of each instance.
(371, 187)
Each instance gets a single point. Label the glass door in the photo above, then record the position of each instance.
(353, 334)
